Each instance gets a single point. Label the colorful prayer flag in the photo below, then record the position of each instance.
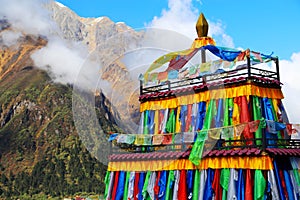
(238, 129)
(253, 125)
(157, 139)
(188, 137)
(167, 139)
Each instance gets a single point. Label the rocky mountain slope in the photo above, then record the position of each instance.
(39, 144)
(108, 42)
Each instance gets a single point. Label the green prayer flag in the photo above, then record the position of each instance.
(226, 113)
(297, 176)
(259, 185)
(146, 183)
(228, 106)
(211, 112)
(171, 177)
(224, 178)
(146, 129)
(196, 185)
(106, 181)
(126, 186)
(197, 149)
(170, 126)
(257, 116)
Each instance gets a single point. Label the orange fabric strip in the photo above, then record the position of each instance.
(245, 90)
(262, 163)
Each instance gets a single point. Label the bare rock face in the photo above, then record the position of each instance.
(107, 42)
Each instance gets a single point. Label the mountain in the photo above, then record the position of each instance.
(108, 41)
(40, 149)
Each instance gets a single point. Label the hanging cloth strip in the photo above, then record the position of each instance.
(249, 185)
(196, 185)
(208, 190)
(259, 185)
(170, 184)
(232, 189)
(224, 182)
(262, 162)
(126, 186)
(121, 185)
(216, 186)
(147, 180)
(245, 90)
(223, 52)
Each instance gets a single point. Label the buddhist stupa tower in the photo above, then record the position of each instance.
(216, 129)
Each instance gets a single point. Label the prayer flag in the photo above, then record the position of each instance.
(253, 125)
(167, 139)
(158, 139)
(259, 185)
(238, 129)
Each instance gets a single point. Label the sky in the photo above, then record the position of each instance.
(266, 26)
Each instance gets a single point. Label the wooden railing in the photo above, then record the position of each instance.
(220, 144)
(243, 72)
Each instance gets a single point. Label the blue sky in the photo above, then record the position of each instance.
(266, 26)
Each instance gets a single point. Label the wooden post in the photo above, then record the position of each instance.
(141, 87)
(264, 140)
(277, 68)
(169, 85)
(203, 60)
(203, 56)
(249, 67)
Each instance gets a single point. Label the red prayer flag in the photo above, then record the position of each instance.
(245, 117)
(257, 56)
(241, 56)
(116, 180)
(253, 126)
(290, 129)
(136, 186)
(182, 189)
(167, 139)
(179, 61)
(162, 76)
(217, 186)
(156, 187)
(189, 119)
(249, 185)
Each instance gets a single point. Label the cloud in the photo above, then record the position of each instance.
(10, 38)
(181, 16)
(28, 16)
(289, 70)
(62, 59)
(217, 31)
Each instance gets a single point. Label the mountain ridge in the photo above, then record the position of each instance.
(39, 143)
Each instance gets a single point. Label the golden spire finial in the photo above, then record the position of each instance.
(202, 26)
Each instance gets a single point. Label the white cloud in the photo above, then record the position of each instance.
(289, 71)
(28, 16)
(62, 59)
(217, 31)
(181, 16)
(10, 38)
